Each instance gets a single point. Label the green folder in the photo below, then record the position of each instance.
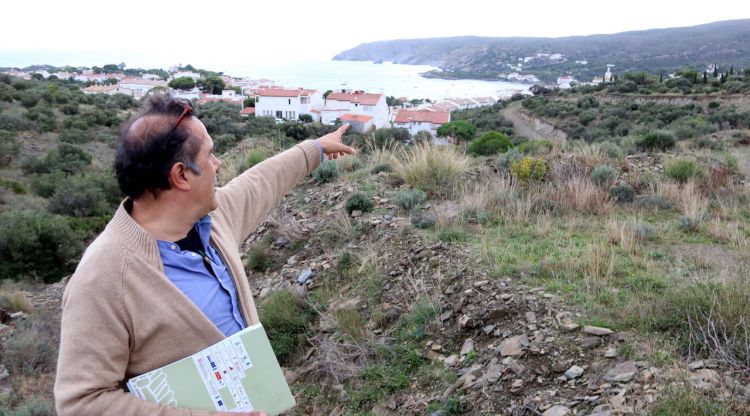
(240, 373)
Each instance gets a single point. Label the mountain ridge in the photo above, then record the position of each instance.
(724, 43)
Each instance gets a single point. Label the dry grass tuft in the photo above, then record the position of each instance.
(14, 301)
(692, 203)
(289, 227)
(437, 170)
(598, 263)
(382, 155)
(582, 195)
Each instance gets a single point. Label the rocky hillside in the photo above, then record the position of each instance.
(724, 43)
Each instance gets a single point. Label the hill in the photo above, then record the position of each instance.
(723, 43)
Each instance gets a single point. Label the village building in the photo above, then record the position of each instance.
(421, 120)
(358, 123)
(288, 104)
(227, 96)
(138, 87)
(247, 112)
(339, 103)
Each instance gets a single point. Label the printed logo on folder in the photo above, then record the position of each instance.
(239, 374)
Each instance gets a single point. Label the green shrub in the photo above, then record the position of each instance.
(13, 186)
(36, 245)
(258, 259)
(34, 407)
(78, 196)
(529, 169)
(359, 202)
(490, 143)
(657, 140)
(536, 147)
(410, 198)
(326, 172)
(507, 159)
(612, 150)
(9, 147)
(683, 170)
(45, 184)
(604, 175)
(653, 202)
(76, 136)
(622, 193)
(286, 319)
(255, 156)
(382, 167)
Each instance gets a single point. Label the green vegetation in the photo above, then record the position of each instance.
(286, 319)
(359, 202)
(490, 143)
(326, 172)
(683, 170)
(409, 199)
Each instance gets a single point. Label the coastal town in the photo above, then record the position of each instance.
(363, 110)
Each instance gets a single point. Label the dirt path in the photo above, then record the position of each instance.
(531, 127)
(521, 127)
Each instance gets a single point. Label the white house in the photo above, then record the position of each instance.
(138, 87)
(421, 120)
(565, 82)
(288, 104)
(186, 74)
(358, 102)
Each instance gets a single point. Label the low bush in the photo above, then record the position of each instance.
(359, 202)
(529, 169)
(536, 147)
(490, 143)
(604, 175)
(36, 245)
(507, 159)
(258, 259)
(410, 198)
(622, 193)
(31, 349)
(657, 140)
(653, 202)
(612, 150)
(383, 167)
(683, 170)
(326, 172)
(78, 196)
(34, 407)
(286, 319)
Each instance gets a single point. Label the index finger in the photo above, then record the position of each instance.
(342, 129)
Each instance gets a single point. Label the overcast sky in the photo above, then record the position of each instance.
(210, 34)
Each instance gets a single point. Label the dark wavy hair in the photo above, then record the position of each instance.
(150, 145)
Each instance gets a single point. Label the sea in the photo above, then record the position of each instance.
(385, 78)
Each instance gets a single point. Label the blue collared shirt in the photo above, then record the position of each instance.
(215, 296)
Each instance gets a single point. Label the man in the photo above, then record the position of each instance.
(164, 279)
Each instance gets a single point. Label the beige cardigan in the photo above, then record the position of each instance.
(123, 317)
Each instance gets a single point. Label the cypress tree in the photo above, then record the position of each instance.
(705, 77)
(731, 70)
(716, 71)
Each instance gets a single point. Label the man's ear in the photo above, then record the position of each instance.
(178, 177)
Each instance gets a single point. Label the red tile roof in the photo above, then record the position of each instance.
(434, 117)
(355, 97)
(248, 110)
(282, 92)
(361, 118)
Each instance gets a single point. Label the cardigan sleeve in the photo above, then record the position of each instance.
(95, 348)
(248, 198)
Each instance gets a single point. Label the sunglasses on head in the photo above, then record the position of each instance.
(187, 109)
